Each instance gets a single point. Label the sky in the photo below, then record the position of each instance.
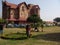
(49, 9)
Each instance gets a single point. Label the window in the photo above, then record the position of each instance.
(36, 7)
(22, 8)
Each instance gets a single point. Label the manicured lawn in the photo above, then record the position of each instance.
(17, 36)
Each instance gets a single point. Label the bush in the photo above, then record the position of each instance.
(2, 21)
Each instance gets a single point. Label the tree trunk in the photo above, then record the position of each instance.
(35, 28)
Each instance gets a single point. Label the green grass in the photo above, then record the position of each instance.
(50, 36)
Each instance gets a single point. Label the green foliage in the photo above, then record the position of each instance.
(2, 21)
(57, 19)
(36, 25)
(34, 19)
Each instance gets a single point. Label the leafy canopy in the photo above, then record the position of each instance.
(57, 19)
(2, 20)
(34, 19)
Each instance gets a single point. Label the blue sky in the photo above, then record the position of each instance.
(49, 8)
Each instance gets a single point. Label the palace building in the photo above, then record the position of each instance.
(18, 13)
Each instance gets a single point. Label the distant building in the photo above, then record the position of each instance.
(49, 23)
(18, 13)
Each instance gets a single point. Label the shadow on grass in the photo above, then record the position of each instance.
(14, 36)
(50, 37)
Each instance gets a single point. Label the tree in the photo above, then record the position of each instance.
(57, 19)
(34, 19)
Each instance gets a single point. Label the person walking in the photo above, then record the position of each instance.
(28, 29)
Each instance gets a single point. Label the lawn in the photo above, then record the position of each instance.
(50, 36)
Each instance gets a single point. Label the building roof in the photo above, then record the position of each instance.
(36, 6)
(15, 6)
(11, 5)
(30, 6)
(22, 3)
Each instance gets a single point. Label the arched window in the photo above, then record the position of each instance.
(22, 8)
